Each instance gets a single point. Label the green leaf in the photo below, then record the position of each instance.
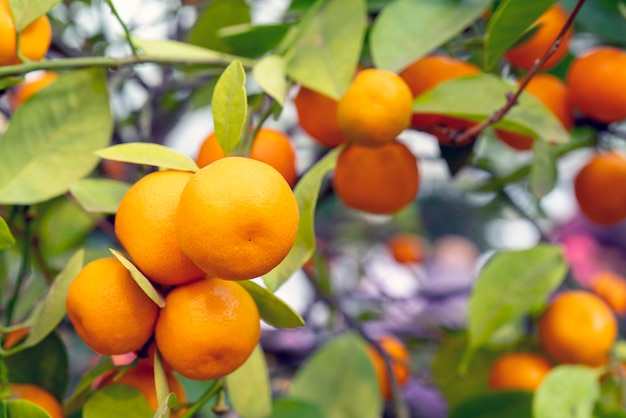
(6, 238)
(229, 106)
(26, 12)
(249, 387)
(62, 215)
(99, 195)
(44, 365)
(510, 20)
(567, 392)
(41, 156)
(84, 386)
(269, 72)
(543, 171)
(307, 190)
(338, 375)
(19, 408)
(148, 154)
(161, 387)
(179, 52)
(509, 404)
(52, 310)
(289, 408)
(406, 30)
(141, 280)
(606, 19)
(511, 284)
(253, 40)
(217, 15)
(459, 97)
(273, 310)
(327, 46)
(118, 401)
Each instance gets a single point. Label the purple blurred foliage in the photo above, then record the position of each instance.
(297, 342)
(424, 401)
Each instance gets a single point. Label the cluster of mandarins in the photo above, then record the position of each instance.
(193, 235)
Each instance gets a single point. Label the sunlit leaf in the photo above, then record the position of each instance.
(249, 387)
(229, 106)
(218, 14)
(148, 154)
(99, 195)
(273, 310)
(543, 171)
(182, 52)
(289, 408)
(26, 11)
(6, 238)
(269, 72)
(19, 408)
(118, 401)
(141, 280)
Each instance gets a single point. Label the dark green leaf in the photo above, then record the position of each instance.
(508, 23)
(66, 216)
(273, 310)
(406, 30)
(249, 387)
(141, 280)
(217, 15)
(118, 401)
(606, 18)
(26, 11)
(507, 404)
(338, 375)
(307, 190)
(290, 408)
(229, 106)
(41, 156)
(543, 171)
(99, 195)
(567, 392)
(18, 408)
(327, 46)
(269, 72)
(148, 154)
(85, 386)
(253, 40)
(6, 238)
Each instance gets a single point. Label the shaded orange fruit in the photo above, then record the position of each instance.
(38, 396)
(15, 336)
(237, 218)
(141, 377)
(34, 40)
(144, 224)
(23, 91)
(317, 115)
(375, 109)
(578, 327)
(270, 146)
(116, 170)
(518, 371)
(108, 310)
(600, 188)
(406, 248)
(597, 84)
(207, 328)
(400, 365)
(612, 288)
(549, 24)
(553, 94)
(379, 180)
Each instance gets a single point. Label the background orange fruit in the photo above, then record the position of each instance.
(597, 84)
(270, 146)
(579, 328)
(611, 287)
(34, 40)
(23, 91)
(406, 248)
(379, 180)
(144, 224)
(38, 396)
(317, 115)
(400, 365)
(237, 218)
(108, 310)
(207, 328)
(518, 371)
(376, 108)
(600, 188)
(549, 24)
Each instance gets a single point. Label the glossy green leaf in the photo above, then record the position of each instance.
(229, 106)
(118, 401)
(307, 190)
(164, 409)
(605, 18)
(19, 408)
(509, 404)
(510, 285)
(52, 309)
(26, 11)
(99, 195)
(253, 40)
(63, 215)
(179, 52)
(249, 387)
(510, 20)
(45, 365)
(477, 97)
(218, 14)
(161, 388)
(406, 30)
(543, 171)
(41, 156)
(84, 387)
(317, 380)
(141, 280)
(273, 310)
(289, 408)
(269, 72)
(327, 46)
(148, 154)
(6, 238)
(567, 392)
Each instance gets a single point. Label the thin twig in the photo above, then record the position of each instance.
(133, 48)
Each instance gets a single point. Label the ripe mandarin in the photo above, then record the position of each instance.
(23, 91)
(34, 40)
(611, 287)
(518, 371)
(38, 396)
(406, 248)
(317, 115)
(400, 365)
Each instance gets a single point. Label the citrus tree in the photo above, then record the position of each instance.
(142, 270)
